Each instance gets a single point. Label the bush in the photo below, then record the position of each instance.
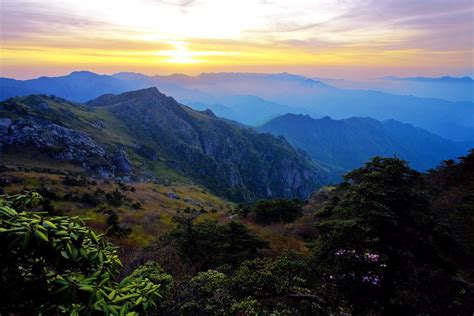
(115, 198)
(280, 210)
(114, 229)
(262, 286)
(75, 181)
(155, 273)
(207, 245)
(209, 294)
(57, 265)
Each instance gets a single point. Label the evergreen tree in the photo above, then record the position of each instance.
(378, 250)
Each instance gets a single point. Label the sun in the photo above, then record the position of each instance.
(180, 55)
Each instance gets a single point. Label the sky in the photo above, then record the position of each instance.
(353, 39)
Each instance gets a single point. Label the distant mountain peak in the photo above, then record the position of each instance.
(151, 93)
(445, 79)
(293, 116)
(83, 73)
(146, 91)
(209, 113)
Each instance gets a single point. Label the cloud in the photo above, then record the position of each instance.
(246, 31)
(27, 19)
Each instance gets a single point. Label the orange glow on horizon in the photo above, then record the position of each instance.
(210, 35)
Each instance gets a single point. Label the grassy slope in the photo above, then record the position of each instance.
(157, 207)
(154, 217)
(85, 119)
(158, 204)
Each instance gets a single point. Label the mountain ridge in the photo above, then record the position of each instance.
(450, 119)
(348, 143)
(154, 132)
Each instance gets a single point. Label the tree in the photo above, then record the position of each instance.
(262, 286)
(155, 273)
(58, 265)
(208, 294)
(208, 244)
(378, 250)
(276, 286)
(278, 210)
(114, 229)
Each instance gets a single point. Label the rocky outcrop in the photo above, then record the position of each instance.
(60, 143)
(121, 162)
(5, 124)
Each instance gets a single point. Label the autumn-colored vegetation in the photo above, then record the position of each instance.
(388, 240)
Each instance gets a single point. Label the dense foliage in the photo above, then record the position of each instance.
(208, 244)
(259, 286)
(380, 250)
(452, 185)
(58, 265)
(387, 241)
(278, 210)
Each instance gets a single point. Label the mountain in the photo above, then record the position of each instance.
(247, 109)
(348, 143)
(146, 134)
(446, 88)
(446, 79)
(452, 120)
(291, 93)
(78, 86)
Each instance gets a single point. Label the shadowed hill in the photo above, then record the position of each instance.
(350, 142)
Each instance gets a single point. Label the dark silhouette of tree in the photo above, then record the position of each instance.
(379, 250)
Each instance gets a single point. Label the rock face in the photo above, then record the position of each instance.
(60, 143)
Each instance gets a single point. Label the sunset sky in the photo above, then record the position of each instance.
(338, 38)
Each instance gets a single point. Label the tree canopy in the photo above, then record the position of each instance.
(380, 250)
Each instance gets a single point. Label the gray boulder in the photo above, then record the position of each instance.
(5, 124)
(121, 162)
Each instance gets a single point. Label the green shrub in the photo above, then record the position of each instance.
(114, 229)
(57, 265)
(208, 244)
(262, 286)
(156, 274)
(279, 210)
(115, 198)
(75, 181)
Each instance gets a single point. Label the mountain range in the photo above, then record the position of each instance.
(348, 143)
(145, 134)
(446, 88)
(446, 79)
(276, 94)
